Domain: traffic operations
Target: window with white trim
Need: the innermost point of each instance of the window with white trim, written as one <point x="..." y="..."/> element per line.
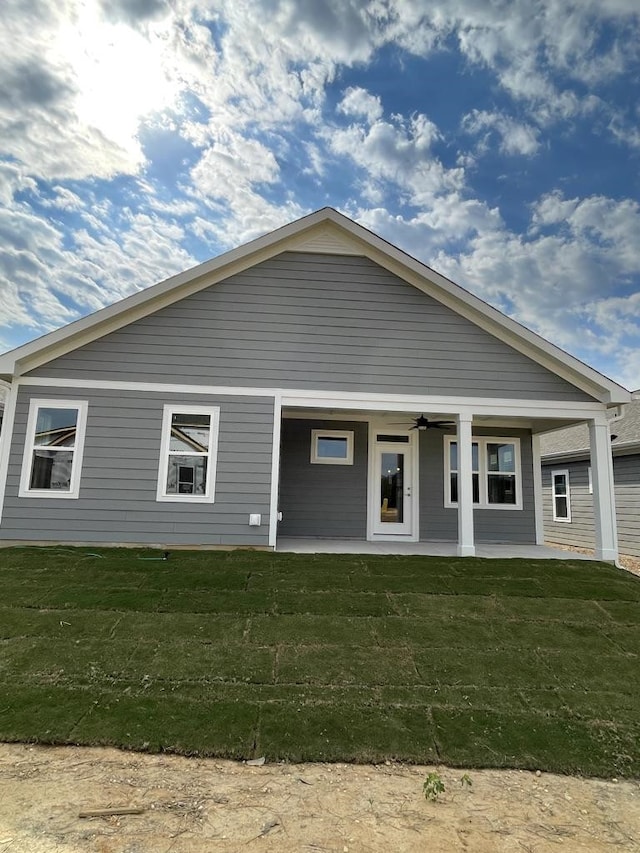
<point x="331" y="447"/>
<point x="496" y="472"/>
<point x="561" y="497"/>
<point x="188" y="454"/>
<point x="52" y="458"/>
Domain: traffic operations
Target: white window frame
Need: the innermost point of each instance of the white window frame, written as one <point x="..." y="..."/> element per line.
<point x="561" y="472"/>
<point x="483" y="473"/>
<point x="165" y="453"/>
<point x="331" y="433"/>
<point x="25" y="491"/>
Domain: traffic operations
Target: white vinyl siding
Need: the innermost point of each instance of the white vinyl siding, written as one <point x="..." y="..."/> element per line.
<point x="52" y="460"/>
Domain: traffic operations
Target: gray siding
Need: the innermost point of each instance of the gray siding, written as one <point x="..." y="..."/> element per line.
<point x="117" y="500"/>
<point x="580" y="531"/>
<point x="315" y="322"/>
<point x="438" y="522"/>
<point x="322" y="500"/>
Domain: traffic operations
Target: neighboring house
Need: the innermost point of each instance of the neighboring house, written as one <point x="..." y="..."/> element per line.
<point x="567" y="481"/>
<point x="315" y="382"/>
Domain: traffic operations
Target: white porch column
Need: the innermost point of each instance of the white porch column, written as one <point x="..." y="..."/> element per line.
<point x="466" y="543"/>
<point x="604" y="502"/>
<point x="537" y="488"/>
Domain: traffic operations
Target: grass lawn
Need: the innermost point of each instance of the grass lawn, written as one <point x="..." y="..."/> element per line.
<point x="469" y="662"/>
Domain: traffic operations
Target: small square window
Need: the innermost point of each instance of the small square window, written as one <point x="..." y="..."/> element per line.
<point x="331" y="447"/>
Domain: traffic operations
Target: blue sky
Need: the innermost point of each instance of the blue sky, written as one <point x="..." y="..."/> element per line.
<point x="498" y="142"/>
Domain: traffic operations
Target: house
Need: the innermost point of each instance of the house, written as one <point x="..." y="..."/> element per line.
<point x="567" y="482"/>
<point x="315" y="382"/>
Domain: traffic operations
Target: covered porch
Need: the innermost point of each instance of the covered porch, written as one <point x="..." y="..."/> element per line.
<point x="500" y="551"/>
<point x="426" y="475"/>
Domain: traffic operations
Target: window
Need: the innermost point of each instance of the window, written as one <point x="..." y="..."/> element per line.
<point x="331" y="447"/>
<point x="53" y="450"/>
<point x="560" y="496"/>
<point x="495" y="470"/>
<point x="188" y="453"/>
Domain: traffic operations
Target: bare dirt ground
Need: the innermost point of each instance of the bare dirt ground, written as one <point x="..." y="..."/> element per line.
<point x="193" y="805"/>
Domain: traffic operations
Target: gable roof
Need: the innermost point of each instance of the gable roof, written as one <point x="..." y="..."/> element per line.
<point x="325" y="231"/>
<point x="573" y="442"/>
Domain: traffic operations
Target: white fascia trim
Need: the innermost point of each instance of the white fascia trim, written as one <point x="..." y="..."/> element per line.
<point x="6" y="436"/>
<point x="453" y="405"/>
<point x="355" y="401"/>
<point x="275" y="472"/>
<point x="155" y="387"/>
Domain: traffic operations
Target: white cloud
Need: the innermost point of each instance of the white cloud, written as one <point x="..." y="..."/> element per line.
<point x="398" y="151"/>
<point x="233" y="164"/>
<point x="515" y="137"/>
<point x="358" y="102"/>
<point x="44" y="284"/>
<point x="564" y="284"/>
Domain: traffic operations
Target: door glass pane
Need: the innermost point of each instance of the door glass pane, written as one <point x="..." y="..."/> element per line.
<point x="392" y="488"/>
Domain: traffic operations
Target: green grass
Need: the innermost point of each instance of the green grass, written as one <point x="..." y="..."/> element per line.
<point x="494" y="663"/>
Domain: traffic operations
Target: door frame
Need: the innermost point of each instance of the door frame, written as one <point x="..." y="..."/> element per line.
<point x="413" y="469"/>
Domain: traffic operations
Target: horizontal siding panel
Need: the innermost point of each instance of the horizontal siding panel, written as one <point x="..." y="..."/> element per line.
<point x="118" y="486"/>
<point x="322" y="500"/>
<point x="581" y="532"/>
<point x="377" y="333"/>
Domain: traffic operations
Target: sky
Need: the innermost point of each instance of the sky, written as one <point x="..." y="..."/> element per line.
<point x="498" y="141"/>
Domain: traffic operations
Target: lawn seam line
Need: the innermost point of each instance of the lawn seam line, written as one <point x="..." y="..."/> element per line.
<point x="115" y="625"/>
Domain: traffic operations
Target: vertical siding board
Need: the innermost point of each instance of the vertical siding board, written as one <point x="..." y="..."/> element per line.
<point x="117" y="500"/>
<point x="320" y="322"/>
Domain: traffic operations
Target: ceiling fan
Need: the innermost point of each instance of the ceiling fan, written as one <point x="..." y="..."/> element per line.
<point x="423" y="423"/>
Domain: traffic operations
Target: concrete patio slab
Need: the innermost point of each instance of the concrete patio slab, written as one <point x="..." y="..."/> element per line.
<point x="430" y="549"/>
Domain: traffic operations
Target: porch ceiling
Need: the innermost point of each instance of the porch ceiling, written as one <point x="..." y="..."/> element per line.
<point x="400" y="417"/>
